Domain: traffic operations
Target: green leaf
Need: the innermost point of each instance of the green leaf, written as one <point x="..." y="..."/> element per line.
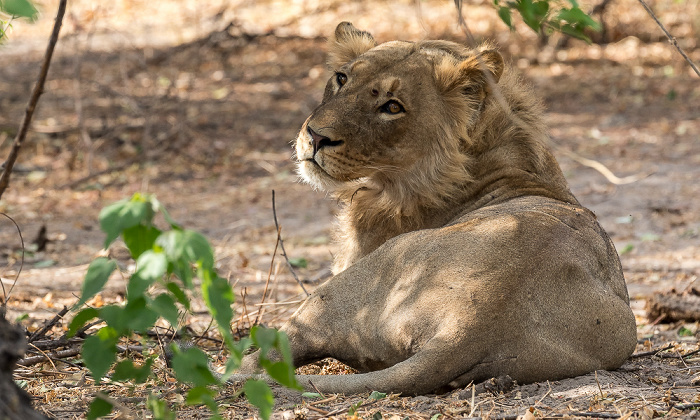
<point x="150" y="267"/>
<point x="685" y="332"/>
<point x="183" y="271"/>
<point x="627" y="249"/>
<point x="504" y="14"/>
<point x="164" y="306"/>
<point x="236" y="356"/>
<point x="139" y="239"/>
<point x="21" y="8"/>
<point x="281" y="372"/>
<point x="179" y="294"/>
<point x="298" y="262"/>
<point x="126" y="370"/>
<point x="264" y="338"/>
<point x="99" y="355"/>
<point x="202" y="395"/>
<point x="97" y="275"/>
<point x="578" y="17"/>
<point x="353" y="408"/>
<point x="138" y="316"/>
<point x="533" y="13"/>
<point x="282" y="345"/>
<point x="125" y="214"/>
<point x="113" y="316"/>
<point x="158" y="207"/>
<point x="99" y="408"/>
<point x="159" y="408"/>
<point x="187" y="246"/>
<point x="192" y="366"/>
<point x="311" y="395"/>
<point x="81" y="319"/>
<point x="259" y="394"/>
<point x="218" y="296"/>
<point x="376" y="395"/>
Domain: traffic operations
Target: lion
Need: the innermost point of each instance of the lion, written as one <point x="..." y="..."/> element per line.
<point x="463" y="255"/>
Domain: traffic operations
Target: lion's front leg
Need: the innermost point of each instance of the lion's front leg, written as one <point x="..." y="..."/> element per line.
<point x="309" y="331"/>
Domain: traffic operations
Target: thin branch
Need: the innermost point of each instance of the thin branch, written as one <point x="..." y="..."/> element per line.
<point x="284" y="253"/>
<point x="21" y="265"/>
<point x="671" y="38"/>
<point x="33" y="100"/>
<point x="651" y="352"/>
<point x="56" y="355"/>
<point x="269" y="274"/>
<point x="41" y="331"/>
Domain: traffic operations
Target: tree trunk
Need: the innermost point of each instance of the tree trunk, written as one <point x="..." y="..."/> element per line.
<point x="15" y="404"/>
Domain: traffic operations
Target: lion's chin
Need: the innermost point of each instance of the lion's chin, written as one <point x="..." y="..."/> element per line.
<point x="314" y="175"/>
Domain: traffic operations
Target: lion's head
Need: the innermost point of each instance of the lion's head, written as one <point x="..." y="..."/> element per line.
<point x="409" y="134"/>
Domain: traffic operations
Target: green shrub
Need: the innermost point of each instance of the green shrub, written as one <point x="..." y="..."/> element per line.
<point x="172" y="259"/>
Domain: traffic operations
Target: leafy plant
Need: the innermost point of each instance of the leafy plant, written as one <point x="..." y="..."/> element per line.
<point x="12" y="9"/>
<point x="167" y="264"/>
<point x="549" y="15"/>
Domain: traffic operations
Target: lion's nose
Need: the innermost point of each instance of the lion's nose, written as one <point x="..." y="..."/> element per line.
<point x="318" y="141"/>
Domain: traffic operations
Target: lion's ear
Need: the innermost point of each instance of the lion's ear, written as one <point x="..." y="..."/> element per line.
<point x="347" y="44"/>
<point x="472" y="74"/>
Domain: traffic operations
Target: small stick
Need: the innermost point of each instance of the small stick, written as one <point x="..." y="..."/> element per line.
<point x="691" y="353"/>
<point x="652" y="352"/>
<point x="598" y="383"/>
<point x="323" y="401"/>
<point x="41" y="331"/>
<point x="269" y="274"/>
<point x="687" y="406"/>
<point x="21" y="265"/>
<point x="472" y="406"/>
<point x="671" y="39"/>
<point x="284" y="253"/>
<point x="596" y="414"/>
<point x="33" y="100"/>
<point x="318" y="410"/>
<point x="61" y="354"/>
<point x="317" y="390"/>
<point x="43" y="353"/>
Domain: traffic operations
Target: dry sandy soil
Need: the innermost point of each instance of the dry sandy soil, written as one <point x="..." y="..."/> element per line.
<point x="168" y="98"/>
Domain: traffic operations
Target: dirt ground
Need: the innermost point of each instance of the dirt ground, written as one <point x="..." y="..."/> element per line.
<point x="197" y="104"/>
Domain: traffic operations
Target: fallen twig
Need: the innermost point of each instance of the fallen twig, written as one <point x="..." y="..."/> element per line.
<point x="60" y="354"/>
<point x="33" y="100"/>
<point x="284" y="253"/>
<point x="596" y="414"/>
<point x="42" y="331"/>
<point x="594" y="164"/>
<point x="652" y="352"/>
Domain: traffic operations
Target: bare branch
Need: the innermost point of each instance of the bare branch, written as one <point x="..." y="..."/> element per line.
<point x="33" y="100"/>
<point x="671" y="39"/>
<point x="284" y="253"/>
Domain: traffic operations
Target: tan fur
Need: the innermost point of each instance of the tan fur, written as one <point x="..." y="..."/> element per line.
<point x="463" y="254"/>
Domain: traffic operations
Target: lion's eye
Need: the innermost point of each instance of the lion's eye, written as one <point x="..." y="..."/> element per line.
<point x="392" y="107"/>
<point x="341" y="79"/>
